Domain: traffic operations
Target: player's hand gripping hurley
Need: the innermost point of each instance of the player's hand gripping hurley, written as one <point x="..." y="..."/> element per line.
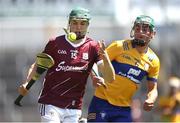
<point x="97" y="80"/>
<point x="44" y="61"/>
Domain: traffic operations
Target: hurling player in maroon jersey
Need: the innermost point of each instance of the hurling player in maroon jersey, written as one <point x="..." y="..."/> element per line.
<point x="64" y="84"/>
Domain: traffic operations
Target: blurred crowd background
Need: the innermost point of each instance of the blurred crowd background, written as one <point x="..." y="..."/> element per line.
<point x="26" y="26"/>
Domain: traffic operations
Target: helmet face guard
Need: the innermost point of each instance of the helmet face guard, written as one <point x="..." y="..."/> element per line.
<point x="142" y="20"/>
<point x="79" y="14"/>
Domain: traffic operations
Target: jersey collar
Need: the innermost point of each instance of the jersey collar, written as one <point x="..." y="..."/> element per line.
<point x="73" y="44"/>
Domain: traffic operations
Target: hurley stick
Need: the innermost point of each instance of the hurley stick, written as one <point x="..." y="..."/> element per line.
<point x="44" y="61"/>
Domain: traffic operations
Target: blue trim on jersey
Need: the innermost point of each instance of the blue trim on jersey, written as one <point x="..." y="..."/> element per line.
<point x="101" y="110"/>
<point x="132" y="72"/>
<point x="151" y="79"/>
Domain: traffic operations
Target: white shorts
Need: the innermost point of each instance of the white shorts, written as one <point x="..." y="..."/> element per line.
<point x="52" y="114"/>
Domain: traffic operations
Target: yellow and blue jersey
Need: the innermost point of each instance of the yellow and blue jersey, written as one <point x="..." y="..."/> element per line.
<point x="130" y="68"/>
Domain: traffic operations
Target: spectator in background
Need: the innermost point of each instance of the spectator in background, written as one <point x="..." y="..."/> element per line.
<point x="169" y="106"/>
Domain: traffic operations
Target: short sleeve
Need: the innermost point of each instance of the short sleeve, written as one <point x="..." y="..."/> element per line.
<point x="97" y="54"/>
<point x="49" y="47"/>
<point x="114" y="49"/>
<point x="154" y="71"/>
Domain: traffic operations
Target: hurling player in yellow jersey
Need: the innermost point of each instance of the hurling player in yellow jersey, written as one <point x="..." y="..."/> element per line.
<point x="133" y="61"/>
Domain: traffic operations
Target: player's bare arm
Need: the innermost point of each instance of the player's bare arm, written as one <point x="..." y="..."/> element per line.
<point x="43" y="61"/>
<point x="106" y="67"/>
<point x="97" y="80"/>
<point x="151" y="96"/>
<point x="32" y="70"/>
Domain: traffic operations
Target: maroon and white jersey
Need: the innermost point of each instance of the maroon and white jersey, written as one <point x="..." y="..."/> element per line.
<point x="64" y="84"/>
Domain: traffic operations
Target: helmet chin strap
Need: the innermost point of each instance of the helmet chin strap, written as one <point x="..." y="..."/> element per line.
<point x="79" y="35"/>
<point x="138" y="42"/>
